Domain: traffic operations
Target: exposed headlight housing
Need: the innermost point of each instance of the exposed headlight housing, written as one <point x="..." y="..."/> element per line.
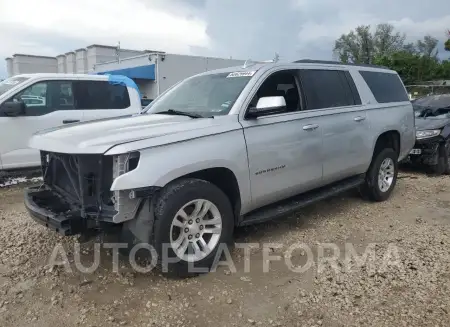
<point x="124" y="163"/>
<point x="427" y="134"/>
<point x="124" y="200"/>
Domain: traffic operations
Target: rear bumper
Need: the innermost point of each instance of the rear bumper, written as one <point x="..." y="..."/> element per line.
<point x="63" y="223"/>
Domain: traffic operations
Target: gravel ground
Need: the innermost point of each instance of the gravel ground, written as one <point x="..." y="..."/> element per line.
<point x="405" y="283"/>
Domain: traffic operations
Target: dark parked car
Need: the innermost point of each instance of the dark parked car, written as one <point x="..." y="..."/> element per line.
<point x="432" y="147"/>
<point x="145" y="102"/>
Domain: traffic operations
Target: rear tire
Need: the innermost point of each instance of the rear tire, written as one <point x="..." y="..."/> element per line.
<point x="381" y="176"/>
<point x="194" y="212"/>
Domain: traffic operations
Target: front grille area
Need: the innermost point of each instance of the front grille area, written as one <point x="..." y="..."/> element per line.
<point x="81" y="180"/>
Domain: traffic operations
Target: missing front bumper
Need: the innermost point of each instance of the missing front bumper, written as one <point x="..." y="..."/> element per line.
<point x="76" y="198"/>
<point x="52" y="211"/>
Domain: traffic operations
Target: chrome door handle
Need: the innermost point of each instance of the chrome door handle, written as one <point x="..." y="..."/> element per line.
<point x="310" y="127"/>
<point x="359" y="118"/>
<point x="70" y="121"/>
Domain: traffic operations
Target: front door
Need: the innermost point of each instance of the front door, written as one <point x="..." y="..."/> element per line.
<point x="284" y="149"/>
<point x="48" y="104"/>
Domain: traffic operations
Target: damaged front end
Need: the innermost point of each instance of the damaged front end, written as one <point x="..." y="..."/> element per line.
<point x="426" y="151"/>
<point x="75" y="197"/>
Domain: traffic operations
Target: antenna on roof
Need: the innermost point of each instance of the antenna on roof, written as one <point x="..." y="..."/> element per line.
<point x="248" y="63"/>
<point x="276" y="58"/>
<point x="118" y="52"/>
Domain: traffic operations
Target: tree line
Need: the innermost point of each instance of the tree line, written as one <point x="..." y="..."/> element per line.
<point x="416" y="62"/>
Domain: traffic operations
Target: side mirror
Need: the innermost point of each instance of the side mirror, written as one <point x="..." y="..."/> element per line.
<point x="13" y="108"/>
<point x="267" y="106"/>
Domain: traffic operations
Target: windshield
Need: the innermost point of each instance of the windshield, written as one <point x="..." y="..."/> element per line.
<point x="11" y="82"/>
<point x="205" y="95"/>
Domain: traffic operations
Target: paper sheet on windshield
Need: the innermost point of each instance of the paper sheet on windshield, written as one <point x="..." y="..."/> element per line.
<point x="241" y="74"/>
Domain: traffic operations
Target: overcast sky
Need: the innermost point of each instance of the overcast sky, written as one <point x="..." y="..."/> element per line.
<point x="239" y="28"/>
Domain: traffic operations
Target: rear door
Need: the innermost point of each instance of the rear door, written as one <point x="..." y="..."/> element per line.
<point x="49" y="103"/>
<point x="100" y="99"/>
<point x="346" y="135"/>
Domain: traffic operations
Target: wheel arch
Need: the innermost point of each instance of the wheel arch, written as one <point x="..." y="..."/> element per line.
<point x="390" y="138"/>
<point x="225" y="179"/>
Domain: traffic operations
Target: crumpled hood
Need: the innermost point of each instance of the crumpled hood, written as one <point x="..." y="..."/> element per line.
<point x="430" y="123"/>
<point x="99" y="136"/>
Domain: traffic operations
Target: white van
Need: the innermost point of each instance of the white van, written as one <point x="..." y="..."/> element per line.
<point x="34" y="102"/>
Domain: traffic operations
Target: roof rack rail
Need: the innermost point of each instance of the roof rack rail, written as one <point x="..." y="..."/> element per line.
<point x="330" y="62"/>
<point x="276" y="58"/>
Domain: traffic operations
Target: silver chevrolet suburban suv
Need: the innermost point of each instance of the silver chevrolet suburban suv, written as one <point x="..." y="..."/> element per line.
<point x="222" y="149"/>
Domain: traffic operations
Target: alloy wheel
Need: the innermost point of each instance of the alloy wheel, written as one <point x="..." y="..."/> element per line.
<point x="195" y="230"/>
<point x="386" y="174"/>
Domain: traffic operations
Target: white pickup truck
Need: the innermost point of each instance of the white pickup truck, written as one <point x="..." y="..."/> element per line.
<point x="33" y="102"/>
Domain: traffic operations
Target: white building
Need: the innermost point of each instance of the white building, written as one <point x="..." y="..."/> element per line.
<point x="153" y="71"/>
<point x="78" y="61"/>
<point x="24" y="63"/>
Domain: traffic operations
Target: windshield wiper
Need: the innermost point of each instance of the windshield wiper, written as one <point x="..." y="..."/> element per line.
<point x="436" y="111"/>
<point x="425" y="111"/>
<point x="179" y="113"/>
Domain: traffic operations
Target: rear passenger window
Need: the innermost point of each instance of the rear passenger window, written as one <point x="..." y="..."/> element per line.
<point x="100" y="95"/>
<point x="327" y="89"/>
<point x="386" y="87"/>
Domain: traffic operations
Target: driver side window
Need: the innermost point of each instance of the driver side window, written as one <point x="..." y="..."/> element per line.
<point x="45" y="97"/>
<point x="34" y="97"/>
<point x="283" y="83"/>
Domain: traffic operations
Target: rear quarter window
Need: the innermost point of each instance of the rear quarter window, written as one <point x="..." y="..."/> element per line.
<point x="353" y="88"/>
<point x="386" y="87"/>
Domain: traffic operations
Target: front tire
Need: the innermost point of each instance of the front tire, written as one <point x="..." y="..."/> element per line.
<point x="193" y="219"/>
<point x="381" y="176"/>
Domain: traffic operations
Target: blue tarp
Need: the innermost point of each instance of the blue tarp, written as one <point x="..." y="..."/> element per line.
<point x="140" y="72"/>
<point x="122" y="80"/>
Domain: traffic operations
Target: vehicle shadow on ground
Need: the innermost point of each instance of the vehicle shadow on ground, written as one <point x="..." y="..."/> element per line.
<point x="323" y="210"/>
<point x="416" y="169"/>
<point x="270" y="231"/>
<point x="303" y="218"/>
